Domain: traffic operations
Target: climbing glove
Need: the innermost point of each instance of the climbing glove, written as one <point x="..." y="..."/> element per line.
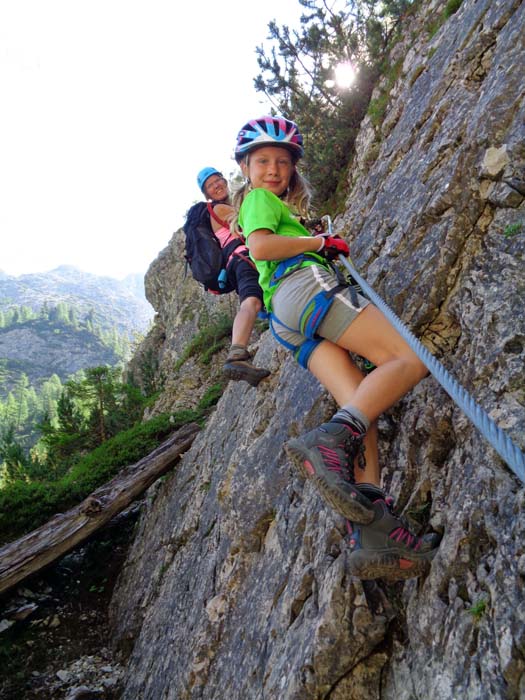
<point x="332" y="246"/>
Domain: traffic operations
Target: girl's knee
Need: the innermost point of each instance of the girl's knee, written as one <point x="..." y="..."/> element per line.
<point x="417" y="368"/>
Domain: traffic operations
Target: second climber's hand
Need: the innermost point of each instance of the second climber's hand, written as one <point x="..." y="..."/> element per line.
<point x="332" y="246"/>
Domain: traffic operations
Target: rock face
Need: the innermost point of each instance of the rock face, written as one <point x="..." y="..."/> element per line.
<point x="182" y="308"/>
<point x="237" y="585"/>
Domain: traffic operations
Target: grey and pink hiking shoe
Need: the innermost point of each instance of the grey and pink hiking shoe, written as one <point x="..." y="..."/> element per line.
<point x="387" y="548"/>
<point x="326" y="456"/>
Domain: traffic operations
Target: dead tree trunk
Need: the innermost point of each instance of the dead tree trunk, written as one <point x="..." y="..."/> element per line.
<point x="65" y="531"/>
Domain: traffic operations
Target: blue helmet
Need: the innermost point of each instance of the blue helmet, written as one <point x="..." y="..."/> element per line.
<point x="204" y="174"/>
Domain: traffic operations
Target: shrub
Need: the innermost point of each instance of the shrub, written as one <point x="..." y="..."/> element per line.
<point x="513" y="229"/>
<point x="208" y="341"/>
<point x="478" y="609"/>
<point x="452" y="7"/>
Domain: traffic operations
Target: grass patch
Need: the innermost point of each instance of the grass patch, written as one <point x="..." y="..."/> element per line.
<point x="435" y="25"/>
<point x="208" y="341"/>
<point x="513" y="229"/>
<point x="377" y="107"/>
<point x="478" y="609"/>
<point x="211" y="396"/>
<point x="451" y="8"/>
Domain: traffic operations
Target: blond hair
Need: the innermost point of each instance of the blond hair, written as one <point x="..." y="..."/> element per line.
<point x="297" y="196"/>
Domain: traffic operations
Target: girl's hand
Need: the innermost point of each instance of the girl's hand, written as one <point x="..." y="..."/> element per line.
<point x="332" y="246"/>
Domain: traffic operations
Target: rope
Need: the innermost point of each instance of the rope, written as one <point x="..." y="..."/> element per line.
<point x="500" y="441"/>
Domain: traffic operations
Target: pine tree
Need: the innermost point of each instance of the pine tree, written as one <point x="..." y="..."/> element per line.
<point x="34" y="405"/>
<point x="298" y="77"/>
<point x="49" y="394"/>
<point x="12" y="454"/>
<point x="20" y="393"/>
<point x="11" y="410"/>
<point x="64" y="437"/>
<point x="25" y="314"/>
<point x="73" y="317"/>
<point x="97" y="393"/>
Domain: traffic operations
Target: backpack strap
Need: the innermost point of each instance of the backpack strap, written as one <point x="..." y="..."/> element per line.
<point x="214" y="216"/>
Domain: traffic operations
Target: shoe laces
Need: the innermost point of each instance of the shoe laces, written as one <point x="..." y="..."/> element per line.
<point x="402" y="534"/>
<point x="351" y="446"/>
<point x="333" y="461"/>
<point x="354" y="449"/>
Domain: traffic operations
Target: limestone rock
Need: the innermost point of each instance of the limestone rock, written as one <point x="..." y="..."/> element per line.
<point x="495" y="160"/>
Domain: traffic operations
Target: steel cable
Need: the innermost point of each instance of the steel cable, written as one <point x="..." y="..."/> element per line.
<point x="500" y="441"/>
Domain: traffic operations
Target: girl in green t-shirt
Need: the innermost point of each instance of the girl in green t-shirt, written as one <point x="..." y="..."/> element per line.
<point x="321" y="321"/>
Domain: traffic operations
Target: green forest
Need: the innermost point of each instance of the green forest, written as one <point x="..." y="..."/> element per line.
<point x="86" y="430"/>
<point x="64" y="314"/>
<point x="28" y="404"/>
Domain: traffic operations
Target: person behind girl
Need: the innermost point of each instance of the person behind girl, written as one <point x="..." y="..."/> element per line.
<point x="242" y="275"/>
<point x="321" y="320"/>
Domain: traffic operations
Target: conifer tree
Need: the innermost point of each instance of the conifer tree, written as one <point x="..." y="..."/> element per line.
<point x="44" y="310"/>
<point x="25" y="314"/>
<point x="12" y="454"/>
<point x="298" y="77"/>
<point x="11" y="410"/>
<point x="50" y="393"/>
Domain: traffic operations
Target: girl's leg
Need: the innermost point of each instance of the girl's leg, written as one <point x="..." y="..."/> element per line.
<point x="370" y="335"/>
<point x="336" y="371"/>
<point x="381" y="545"/>
<point x="397" y="370"/>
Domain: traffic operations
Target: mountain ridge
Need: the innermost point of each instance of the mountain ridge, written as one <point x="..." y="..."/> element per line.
<point x="114" y="303"/>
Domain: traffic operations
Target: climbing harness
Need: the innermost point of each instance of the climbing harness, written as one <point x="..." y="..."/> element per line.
<point x="500" y="441"/>
<point x="314" y="312"/>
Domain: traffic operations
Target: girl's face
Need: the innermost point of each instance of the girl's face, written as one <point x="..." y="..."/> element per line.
<point x="269" y="167"/>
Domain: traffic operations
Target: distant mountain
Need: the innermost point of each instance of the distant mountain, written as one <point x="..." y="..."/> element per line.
<point x="40" y="348"/>
<point x="111" y="303"/>
<point x="77" y="320"/>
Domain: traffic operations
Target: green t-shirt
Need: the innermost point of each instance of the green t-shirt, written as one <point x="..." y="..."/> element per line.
<point x="262" y="209"/>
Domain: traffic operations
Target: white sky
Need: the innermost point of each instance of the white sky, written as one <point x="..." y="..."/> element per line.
<point x="109" y="108"/>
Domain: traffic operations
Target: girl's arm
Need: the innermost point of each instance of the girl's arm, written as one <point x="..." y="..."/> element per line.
<point x="266" y="245"/>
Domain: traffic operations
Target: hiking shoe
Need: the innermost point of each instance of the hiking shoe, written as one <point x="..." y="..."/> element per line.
<point x="244" y="370"/>
<point x="387" y="548"/>
<point x="326" y="456"/>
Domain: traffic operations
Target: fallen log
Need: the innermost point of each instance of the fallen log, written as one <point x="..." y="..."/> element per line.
<point x="37" y="549"/>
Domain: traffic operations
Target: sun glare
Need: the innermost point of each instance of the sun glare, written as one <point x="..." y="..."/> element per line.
<point x="345" y="75"/>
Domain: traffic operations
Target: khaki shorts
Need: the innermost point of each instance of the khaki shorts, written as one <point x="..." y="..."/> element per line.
<point x="294" y="294"/>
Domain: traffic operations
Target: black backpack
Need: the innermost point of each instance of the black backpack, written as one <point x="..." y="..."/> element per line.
<point x="204" y="255"/>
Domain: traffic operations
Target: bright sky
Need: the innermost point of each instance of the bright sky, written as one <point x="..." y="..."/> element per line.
<point x="109" y="108"/>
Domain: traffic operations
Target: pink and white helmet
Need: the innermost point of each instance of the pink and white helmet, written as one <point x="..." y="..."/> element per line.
<point x="269" y="131"/>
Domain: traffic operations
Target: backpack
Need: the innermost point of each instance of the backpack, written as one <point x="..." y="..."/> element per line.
<point x="204" y="255"/>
